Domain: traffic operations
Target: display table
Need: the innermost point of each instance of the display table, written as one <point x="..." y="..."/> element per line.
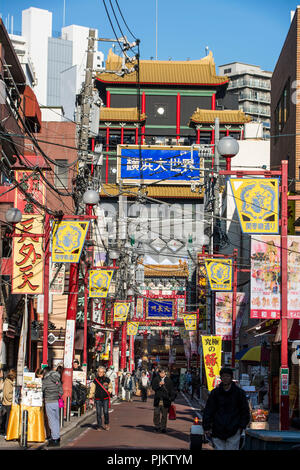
<point x="271" y="440"/>
<point x="36" y="423"/>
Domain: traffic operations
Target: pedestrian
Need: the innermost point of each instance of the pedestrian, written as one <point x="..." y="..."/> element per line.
<point x="52" y="391"/>
<point x="164" y="395"/>
<point x="100" y="393"/>
<point x="112" y="375"/>
<point x="226" y="413"/>
<point x="144" y="384"/>
<point x="195" y="384"/>
<point x="122" y="382"/>
<point x="7" y="399"/>
<point x="128" y="386"/>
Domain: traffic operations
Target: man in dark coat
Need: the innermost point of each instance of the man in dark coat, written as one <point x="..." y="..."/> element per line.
<point x="164" y="395"/>
<point x="100" y="391"/>
<point x="226" y="413"/>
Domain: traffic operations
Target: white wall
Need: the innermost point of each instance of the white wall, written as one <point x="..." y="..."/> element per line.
<point x="37" y="28"/>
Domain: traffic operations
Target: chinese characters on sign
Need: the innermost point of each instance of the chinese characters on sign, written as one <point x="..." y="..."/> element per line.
<point x="212" y="351"/>
<point x="223" y="313"/>
<point x="257" y="203"/>
<point x="121" y="310"/>
<point x="159" y="309"/>
<point x="132" y="328"/>
<point x="28" y="255"/>
<point x="156" y="163"/>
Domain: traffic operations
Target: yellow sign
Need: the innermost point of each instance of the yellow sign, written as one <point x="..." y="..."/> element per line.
<point x="68" y="238"/>
<point x="132" y="328"/>
<point x="121" y="310"/>
<point x="99" y="282"/>
<point x="219" y="273"/>
<point x="190" y="322"/>
<point x="212" y="355"/>
<point x="257" y="204"/>
<point x="28" y="256"/>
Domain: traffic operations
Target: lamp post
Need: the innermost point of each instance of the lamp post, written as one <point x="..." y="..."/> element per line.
<point x="228" y="147"/>
<point x="130" y="294"/>
<point x="90" y="199"/>
<point x="67" y="377"/>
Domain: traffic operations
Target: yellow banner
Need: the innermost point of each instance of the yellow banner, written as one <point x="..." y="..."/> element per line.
<point x="219" y="273"/>
<point x="28" y="256"/>
<point x="212" y="356"/>
<point x="257" y="204"/>
<point x="190" y="322"/>
<point x="121" y="310"/>
<point x="99" y="282"/>
<point x="132" y="328"/>
<point x="68" y="238"/>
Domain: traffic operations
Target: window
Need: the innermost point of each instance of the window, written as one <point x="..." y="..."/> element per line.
<point x="61" y="173"/>
<point x="227" y="71"/>
<point x="282" y="110"/>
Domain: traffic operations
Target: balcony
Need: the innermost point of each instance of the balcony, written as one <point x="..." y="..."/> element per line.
<point x="257" y="98"/>
<point x="261" y="85"/>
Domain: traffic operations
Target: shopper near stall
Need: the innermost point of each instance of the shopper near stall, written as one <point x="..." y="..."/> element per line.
<point x="226" y="413"/>
<point x="7" y="397"/>
<point x="76" y="365"/>
<point x="100" y="394"/>
<point x="164" y="395"/>
<point x="52" y="391"/>
<point x="128" y="386"/>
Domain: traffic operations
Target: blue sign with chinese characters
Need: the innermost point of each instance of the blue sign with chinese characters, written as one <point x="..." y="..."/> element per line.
<point x="159" y="309"/>
<point x="175" y="164"/>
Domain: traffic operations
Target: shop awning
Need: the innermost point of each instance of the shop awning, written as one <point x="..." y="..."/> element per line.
<point x="254" y="354"/>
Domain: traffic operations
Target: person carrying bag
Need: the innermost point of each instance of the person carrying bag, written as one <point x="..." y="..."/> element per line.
<point x="100" y="392"/>
<point x="164" y="395"/>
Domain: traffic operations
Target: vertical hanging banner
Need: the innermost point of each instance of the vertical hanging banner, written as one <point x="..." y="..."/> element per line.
<point x="132" y="328"/>
<point x="121" y="310"/>
<point x="99" y="282"/>
<point x="257" y="204"/>
<point x="219" y="273"/>
<point x="212" y="355"/>
<point x="293" y="277"/>
<point x="57" y="278"/>
<point x="223" y="313"/>
<point x="190" y="322"/>
<point x="68" y="238"/>
<point x="28" y="253"/>
<point x="265" y="277"/>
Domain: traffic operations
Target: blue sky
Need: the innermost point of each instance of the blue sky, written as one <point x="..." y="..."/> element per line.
<point x="234" y="30"/>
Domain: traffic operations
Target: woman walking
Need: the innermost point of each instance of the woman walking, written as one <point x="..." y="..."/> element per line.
<point x="52" y="391"/>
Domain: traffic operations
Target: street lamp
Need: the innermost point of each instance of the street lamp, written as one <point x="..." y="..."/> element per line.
<point x="114" y="255"/>
<point x="13" y="216"/>
<point x="228" y="148"/>
<point x="91" y="197"/>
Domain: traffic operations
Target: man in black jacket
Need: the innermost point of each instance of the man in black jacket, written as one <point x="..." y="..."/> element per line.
<point x="164" y="395"/>
<point x="226" y="413"/>
<point x="100" y="392"/>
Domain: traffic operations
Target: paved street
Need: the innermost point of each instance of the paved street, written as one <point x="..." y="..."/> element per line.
<point x="131" y="427"/>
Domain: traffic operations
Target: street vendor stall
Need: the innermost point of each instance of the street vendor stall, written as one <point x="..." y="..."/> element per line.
<point x="31" y="400"/>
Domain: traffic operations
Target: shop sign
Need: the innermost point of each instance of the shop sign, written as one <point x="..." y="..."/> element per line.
<point x="190" y="322"/>
<point x="68" y="238"/>
<point x="99" y="282"/>
<point x="157" y="309"/>
<point x="219" y="273"/>
<point x="212" y="355"/>
<point x="257" y="204"/>
<point x="132" y="328"/>
<point x="284" y="381"/>
<point x="121" y="310"/>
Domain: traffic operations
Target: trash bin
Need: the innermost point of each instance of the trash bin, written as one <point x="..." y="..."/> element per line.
<point x="271" y="440"/>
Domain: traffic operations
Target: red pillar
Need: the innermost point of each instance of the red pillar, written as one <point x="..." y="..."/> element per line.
<point x="284" y="399"/>
<point x="213" y="101"/>
<point x="143" y="112"/>
<point x="107" y="138"/>
<point x="178" y="106"/>
<point x="70" y="332"/>
<point x="234" y="291"/>
<point x="123" y="345"/>
<point x="122" y="135"/>
<point x="136" y="135"/>
<point x="46" y="289"/>
<point x="198" y="136"/>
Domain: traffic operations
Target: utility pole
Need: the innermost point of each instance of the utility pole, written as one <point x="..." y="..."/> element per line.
<point x="83" y="140"/>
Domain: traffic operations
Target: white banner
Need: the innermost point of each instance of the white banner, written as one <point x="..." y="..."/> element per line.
<point x="69" y="343"/>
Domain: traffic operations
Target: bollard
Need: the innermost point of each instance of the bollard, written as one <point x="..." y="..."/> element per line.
<point x="68" y="409"/>
<point x="24" y="429"/>
<point x="61" y="417"/>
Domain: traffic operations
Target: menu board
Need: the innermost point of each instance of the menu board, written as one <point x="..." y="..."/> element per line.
<point x="32" y="394"/>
